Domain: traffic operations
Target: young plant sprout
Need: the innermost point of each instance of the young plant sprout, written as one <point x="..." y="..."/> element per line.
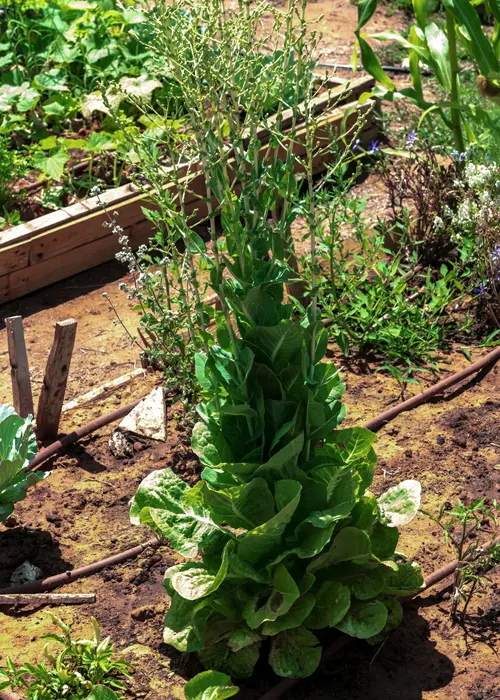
<point x="472" y="530"/>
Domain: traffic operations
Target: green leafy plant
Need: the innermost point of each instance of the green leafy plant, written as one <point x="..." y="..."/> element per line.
<point x="84" y="668"/>
<point x="281" y="534"/>
<point x="436" y="47"/>
<point x="472" y="531"/>
<point x="17" y="449"/>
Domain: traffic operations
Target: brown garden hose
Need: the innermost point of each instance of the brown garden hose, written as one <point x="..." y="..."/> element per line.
<point x="81" y="432"/>
<point x="46" y="584"/>
<point x="376" y="423"/>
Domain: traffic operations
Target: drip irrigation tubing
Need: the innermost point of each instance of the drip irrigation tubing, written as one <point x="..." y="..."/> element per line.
<point x="80" y="433"/>
<point x="379" y="421"/>
<point x="388" y="69"/>
<point x="47" y="584"/>
<point x="373" y="424"/>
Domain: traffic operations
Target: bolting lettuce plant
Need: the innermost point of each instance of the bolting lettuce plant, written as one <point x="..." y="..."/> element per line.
<point x="281" y="536"/>
<point x="17" y="449"/>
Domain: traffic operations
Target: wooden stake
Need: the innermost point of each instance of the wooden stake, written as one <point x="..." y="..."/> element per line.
<point x="19" y="368"/>
<point x="56" y="376"/>
<point x="47" y="598"/>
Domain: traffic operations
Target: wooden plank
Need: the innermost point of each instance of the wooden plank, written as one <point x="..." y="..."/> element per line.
<point x="47" y="598"/>
<point x="82" y="242"/>
<point x="76" y="260"/>
<point x="103" y="390"/>
<point x="19" y="367"/>
<point x="54" y="383"/>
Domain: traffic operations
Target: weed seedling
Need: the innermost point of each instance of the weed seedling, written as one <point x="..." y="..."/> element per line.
<point x="84" y="668"/>
<point x="463" y="526"/>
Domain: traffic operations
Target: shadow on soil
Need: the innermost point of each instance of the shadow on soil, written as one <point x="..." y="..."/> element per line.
<point x="63" y="291"/>
<point x="22" y="544"/>
<point x="404" y="668"/>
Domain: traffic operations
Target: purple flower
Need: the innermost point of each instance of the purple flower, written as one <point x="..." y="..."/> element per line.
<point x="412" y="138"/>
<point x="356" y="144"/>
<point x="479" y="290"/>
<point x="374" y="147"/>
<point x="495" y="254"/>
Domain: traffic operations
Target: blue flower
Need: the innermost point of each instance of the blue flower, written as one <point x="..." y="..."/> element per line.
<point x="412" y="138"/>
<point x="455" y="155"/>
<point x="374" y="147"/>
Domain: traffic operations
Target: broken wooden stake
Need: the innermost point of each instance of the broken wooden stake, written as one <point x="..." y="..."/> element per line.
<point x="19" y="368"/>
<point x="47" y="598"/>
<point x="54" y="383"/>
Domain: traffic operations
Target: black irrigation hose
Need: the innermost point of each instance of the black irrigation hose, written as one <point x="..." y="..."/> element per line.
<point x="388" y="69"/>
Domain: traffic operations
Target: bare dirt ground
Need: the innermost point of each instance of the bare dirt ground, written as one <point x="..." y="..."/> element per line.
<point x="80" y="512"/>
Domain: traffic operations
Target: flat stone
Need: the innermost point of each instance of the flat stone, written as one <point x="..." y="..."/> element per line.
<point x="149" y="418"/>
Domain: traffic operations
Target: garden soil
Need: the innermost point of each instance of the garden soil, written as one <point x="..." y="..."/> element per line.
<point x="79" y="514"/>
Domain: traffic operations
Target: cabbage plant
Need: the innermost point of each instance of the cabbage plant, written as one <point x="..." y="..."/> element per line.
<point x="17" y="449"/>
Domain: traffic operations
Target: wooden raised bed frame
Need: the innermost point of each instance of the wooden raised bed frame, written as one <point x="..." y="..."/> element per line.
<point x="71" y="240"/>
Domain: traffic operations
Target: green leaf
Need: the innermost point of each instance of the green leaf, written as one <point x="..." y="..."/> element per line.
<point x="283" y="461"/>
<point x="260" y="308"/>
<point x="185" y="623"/>
<point x="60" y="105"/>
<point x="53" y="80"/>
<point x="350" y="544"/>
<point x="482" y="50"/>
<point x="101" y="141"/>
<point x="333" y="600"/>
<point x="400" y="504"/>
<point x="384" y="540"/>
<point x="269" y="604"/>
<point x="293" y="618"/>
<point x="353" y="443"/>
<point x="161" y="489"/>
<point x="394" y="619"/>
<point x="295" y="653"/>
<point x="101" y="692"/>
<point x="276" y="346"/>
<point x="364" y="619"/>
<point x="210" y="685"/>
<point x="265" y="540"/>
<point x="437" y="41"/>
<point x="51" y="164"/>
<point x="245" y="506"/>
<point x="210" y="446"/>
<point x="218" y="655"/>
<point x="366" y="10"/>
<point x="406" y="580"/>
<point x="28" y="100"/>
<point x="372" y="65"/>
<point x="193" y="580"/>
<point x="171" y="509"/>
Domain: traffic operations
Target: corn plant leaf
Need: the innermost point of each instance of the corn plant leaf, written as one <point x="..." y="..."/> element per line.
<point x="372" y="65"/>
<point x="295" y="653"/>
<point x="210" y="685"/>
<point x="439" y="51"/>
<point x="366" y="10"/>
<point x="482" y="50"/>
<point x="420" y="10"/>
<point x="364" y="620"/>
